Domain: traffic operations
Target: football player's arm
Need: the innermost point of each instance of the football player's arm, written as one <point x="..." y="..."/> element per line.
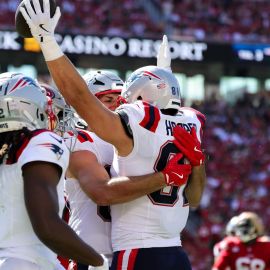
<point x="96" y="183"/>
<point x="105" y="123"/>
<point x="190" y="146"/>
<point x="69" y="82"/>
<point x="195" y="185"/>
<point x="222" y="261"/>
<point x="216" y="250"/>
<point x="41" y="199"/>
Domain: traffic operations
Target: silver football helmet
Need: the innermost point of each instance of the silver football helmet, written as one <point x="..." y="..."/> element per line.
<point x="64" y="116"/>
<point x="103" y="82"/>
<point x="231" y="225"/>
<point x="23" y="103"/>
<point x="249" y="226"/>
<point x="155" y="85"/>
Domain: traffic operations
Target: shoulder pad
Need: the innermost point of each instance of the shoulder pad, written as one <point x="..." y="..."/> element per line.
<point x="199" y="115"/>
<point x="22" y="145"/>
<point x="264" y="238"/>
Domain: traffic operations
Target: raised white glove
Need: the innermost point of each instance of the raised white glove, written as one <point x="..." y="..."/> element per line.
<point x="105" y="265"/>
<point x="42" y="27"/>
<point x="164" y="54"/>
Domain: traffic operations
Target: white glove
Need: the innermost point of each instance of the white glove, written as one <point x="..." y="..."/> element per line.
<point x="164" y="54"/>
<point x="105" y="265"/>
<point x="42" y="27"/>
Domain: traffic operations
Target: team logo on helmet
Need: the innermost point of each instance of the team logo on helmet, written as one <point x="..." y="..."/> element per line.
<point x="154" y="85"/>
<point x="22" y="101"/>
<point x="24" y="81"/>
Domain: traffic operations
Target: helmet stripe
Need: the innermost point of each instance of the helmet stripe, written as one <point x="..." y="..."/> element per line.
<point x="109" y="91"/>
<point x="150" y="74"/>
<point x="22" y="82"/>
<point x="16" y="85"/>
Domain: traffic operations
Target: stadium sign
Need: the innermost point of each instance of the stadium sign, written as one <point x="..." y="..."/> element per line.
<point x="9" y="41"/>
<point x="252" y="52"/>
<point x="142" y="48"/>
<point x="133" y="47"/>
<point x="107" y="46"/>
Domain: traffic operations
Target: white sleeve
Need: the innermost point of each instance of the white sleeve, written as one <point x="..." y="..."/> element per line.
<point x="105" y="151"/>
<point x="131" y="115"/>
<point x="135" y="110"/>
<point x="92" y="143"/>
<point x="46" y="146"/>
<point x="76" y="142"/>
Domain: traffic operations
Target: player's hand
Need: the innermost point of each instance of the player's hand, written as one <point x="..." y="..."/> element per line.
<point x="176" y="174"/>
<point x="189" y="145"/>
<point x="164" y="54"/>
<point x="41" y="25"/>
<point x="105" y="265"/>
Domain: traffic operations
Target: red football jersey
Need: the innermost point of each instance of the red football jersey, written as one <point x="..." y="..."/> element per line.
<point x="218" y="247"/>
<point x="236" y="255"/>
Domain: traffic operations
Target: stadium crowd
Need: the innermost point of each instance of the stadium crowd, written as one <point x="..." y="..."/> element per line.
<point x="237" y="141"/>
<point x="226" y="20"/>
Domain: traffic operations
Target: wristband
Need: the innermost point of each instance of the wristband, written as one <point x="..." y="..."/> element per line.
<point x="51" y="50"/>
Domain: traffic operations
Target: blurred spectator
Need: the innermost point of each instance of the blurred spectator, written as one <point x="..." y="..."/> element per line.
<point x="224" y="20"/>
<point x="238" y="144"/>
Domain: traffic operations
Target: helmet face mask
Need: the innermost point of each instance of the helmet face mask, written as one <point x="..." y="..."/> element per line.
<point x="246" y="231"/>
<point x="155" y="85"/>
<point x="249" y="227"/>
<point x="61" y="115"/>
<point x="103" y="82"/>
<point x="22" y="103"/>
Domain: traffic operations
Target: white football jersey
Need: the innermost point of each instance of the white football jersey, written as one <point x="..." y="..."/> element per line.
<point x="157" y="219"/>
<point x="91" y="222"/>
<point x="17" y="238"/>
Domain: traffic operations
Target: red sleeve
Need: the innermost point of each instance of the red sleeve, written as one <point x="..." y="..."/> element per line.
<point x="222" y="261"/>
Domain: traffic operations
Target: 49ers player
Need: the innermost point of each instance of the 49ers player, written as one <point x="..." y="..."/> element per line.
<point x="248" y="249"/>
<point x="229" y="231"/>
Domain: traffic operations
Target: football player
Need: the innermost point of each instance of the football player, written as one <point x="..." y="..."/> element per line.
<point x="229" y="231"/>
<point x="145" y="231"/>
<point x="63" y="120"/>
<point x="33" y="163"/>
<point x="91" y="222"/>
<point x="248" y="249"/>
<point x="90" y="156"/>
